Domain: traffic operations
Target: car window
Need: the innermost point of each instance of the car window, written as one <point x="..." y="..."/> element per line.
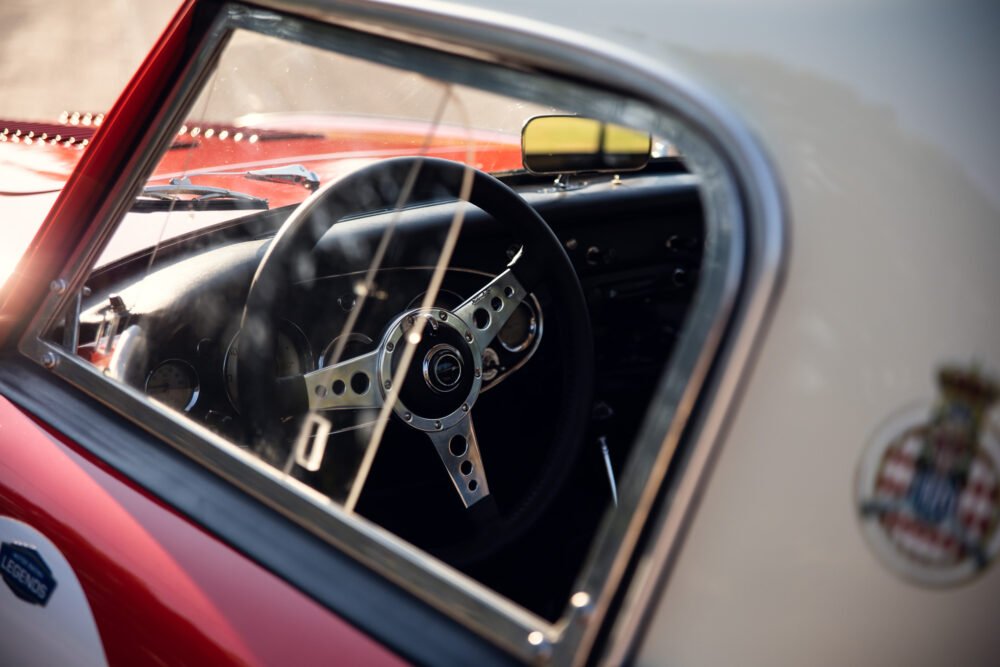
<point x="341" y="284"/>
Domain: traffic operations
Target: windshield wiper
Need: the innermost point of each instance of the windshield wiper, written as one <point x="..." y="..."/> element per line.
<point x="293" y="174"/>
<point x="157" y="198"/>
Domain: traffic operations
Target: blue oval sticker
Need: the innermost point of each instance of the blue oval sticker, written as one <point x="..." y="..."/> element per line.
<point x="26" y="573"/>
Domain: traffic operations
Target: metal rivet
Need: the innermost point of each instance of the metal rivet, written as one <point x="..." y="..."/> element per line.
<point x="479" y="372"/>
<point x="58" y="286"/>
<point x="680" y="277"/>
<point x="468" y="336"/>
<point x="465" y="407"/>
<point x="49" y="360"/>
<point x="407" y="416"/>
<point x="349" y="301"/>
<point x="387" y="384"/>
<point x="389" y="347"/>
<point x="437" y="425"/>
<point x="443" y="315"/>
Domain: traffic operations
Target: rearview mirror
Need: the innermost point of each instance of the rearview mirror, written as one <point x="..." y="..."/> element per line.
<point x="565" y="144"/>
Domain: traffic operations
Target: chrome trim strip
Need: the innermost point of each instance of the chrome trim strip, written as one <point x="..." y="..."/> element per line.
<point x="740" y="173"/>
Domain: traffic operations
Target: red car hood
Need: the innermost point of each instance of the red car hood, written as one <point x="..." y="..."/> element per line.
<point x="39" y="157"/>
<point x="36" y="159"/>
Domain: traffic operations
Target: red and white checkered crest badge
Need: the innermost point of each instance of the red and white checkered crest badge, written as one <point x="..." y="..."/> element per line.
<point x="929" y="483"/>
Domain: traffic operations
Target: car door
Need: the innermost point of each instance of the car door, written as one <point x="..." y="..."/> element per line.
<point x="184" y="378"/>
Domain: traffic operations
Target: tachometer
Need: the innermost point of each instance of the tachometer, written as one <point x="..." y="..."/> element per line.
<point x="293" y="356"/>
<point x="355" y="345"/>
<point x="173" y="383"/>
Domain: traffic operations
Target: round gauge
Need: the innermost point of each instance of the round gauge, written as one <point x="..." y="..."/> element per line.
<point x="292" y="356"/>
<point x="520" y="330"/>
<point x="173" y="383"/>
<point x="355" y="345"/>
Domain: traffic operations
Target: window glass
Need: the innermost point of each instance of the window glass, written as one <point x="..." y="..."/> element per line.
<point x="342" y="268"/>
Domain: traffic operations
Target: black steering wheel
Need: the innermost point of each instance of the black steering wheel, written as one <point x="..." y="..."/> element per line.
<point x="426" y="371"/>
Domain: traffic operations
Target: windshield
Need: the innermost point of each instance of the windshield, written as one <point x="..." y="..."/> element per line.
<point x="278" y="119"/>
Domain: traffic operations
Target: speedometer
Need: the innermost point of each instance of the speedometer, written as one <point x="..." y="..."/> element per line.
<point x="173" y="383"/>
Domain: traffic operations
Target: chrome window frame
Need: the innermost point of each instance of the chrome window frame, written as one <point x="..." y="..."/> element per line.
<point x="744" y="260"/>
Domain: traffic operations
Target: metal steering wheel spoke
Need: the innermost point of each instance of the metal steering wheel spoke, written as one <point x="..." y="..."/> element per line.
<point x="349" y="384"/>
<point x="459" y="451"/>
<point x="487" y="311"/>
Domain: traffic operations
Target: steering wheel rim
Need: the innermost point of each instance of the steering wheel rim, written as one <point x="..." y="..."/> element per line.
<point x="379" y="186"/>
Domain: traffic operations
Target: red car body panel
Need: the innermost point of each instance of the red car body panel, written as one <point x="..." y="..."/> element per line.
<point x="40" y="157"/>
<point x="334" y="148"/>
<point x="162" y="590"/>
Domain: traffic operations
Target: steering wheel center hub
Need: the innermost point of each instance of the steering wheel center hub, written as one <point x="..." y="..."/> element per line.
<point x="430" y="368"/>
<point x="442" y="368"/>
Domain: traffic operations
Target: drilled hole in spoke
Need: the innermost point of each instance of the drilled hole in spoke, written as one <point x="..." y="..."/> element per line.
<point x="481" y="318"/>
<point x="360" y="383"/>
<point x="458" y="446"/>
<point x="473" y="485"/>
<point x="496" y="303"/>
<point x="338" y="387"/>
<point x="466" y="467"/>
<point x="508" y="292"/>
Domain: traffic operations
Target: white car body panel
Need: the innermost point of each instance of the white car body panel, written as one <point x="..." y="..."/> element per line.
<point x="880" y="121"/>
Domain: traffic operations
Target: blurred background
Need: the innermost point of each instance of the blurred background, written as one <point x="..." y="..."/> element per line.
<point x="66" y="55"/>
